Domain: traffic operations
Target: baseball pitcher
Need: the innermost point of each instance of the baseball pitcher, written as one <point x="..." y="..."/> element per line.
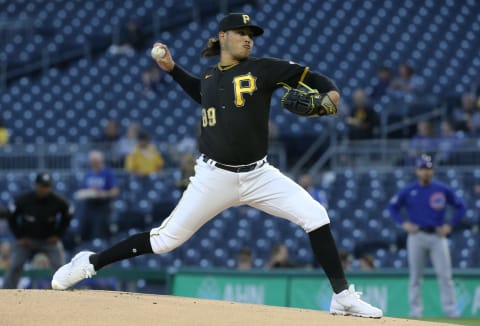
<point x="234" y="96"/>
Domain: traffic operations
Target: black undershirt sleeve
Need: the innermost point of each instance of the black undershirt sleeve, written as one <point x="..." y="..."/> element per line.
<point x="189" y="83"/>
<point x="320" y="82"/>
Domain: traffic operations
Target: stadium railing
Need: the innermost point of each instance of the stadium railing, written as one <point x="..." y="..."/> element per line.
<point x="385" y="154"/>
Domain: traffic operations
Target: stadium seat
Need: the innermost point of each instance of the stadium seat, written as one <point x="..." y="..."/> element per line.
<point x="66" y="105"/>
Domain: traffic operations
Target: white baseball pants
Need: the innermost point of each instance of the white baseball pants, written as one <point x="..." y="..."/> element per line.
<point x="213" y="190"/>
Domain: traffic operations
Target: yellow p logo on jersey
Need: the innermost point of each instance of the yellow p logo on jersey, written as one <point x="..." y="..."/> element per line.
<point x="243" y="84"/>
<point x="246" y="19"/>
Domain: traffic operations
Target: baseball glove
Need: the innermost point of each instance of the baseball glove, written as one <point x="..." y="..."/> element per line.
<point x="309" y="103"/>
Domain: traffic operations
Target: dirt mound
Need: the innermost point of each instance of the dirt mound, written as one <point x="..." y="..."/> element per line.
<point x="94" y="308"/>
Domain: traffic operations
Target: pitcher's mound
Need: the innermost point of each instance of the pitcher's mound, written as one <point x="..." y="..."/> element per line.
<point x="94" y="308"/>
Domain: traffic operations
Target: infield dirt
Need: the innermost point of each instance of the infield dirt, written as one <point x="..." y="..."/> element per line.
<point x="95" y="308"/>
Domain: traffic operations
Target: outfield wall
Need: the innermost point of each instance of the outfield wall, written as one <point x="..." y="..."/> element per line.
<point x="387" y="290"/>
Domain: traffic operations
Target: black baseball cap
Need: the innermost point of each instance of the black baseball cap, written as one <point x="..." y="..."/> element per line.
<point x="424" y="162"/>
<point x="143" y="135"/>
<point x="43" y="179"/>
<point x="239" y="20"/>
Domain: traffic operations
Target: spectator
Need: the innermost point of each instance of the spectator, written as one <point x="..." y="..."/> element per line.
<point x="363" y="119"/>
<point x="244" y="259"/>
<point x="38" y="219"/>
<point x="107" y="141"/>
<point x="127" y="143"/>
<point x="5" y="254"/>
<point x="448" y="140"/>
<point x="306" y="182"/>
<point x="407" y="85"/>
<point x="382" y="83"/>
<point x="4" y="135"/>
<point x="447" y="130"/>
<point x="467" y="117"/>
<point x="366" y="263"/>
<point x="346" y="259"/>
<point x="188" y="144"/>
<point x="130" y="38"/>
<point x="426" y="202"/>
<point x="425" y="136"/>
<point x="476" y="189"/>
<point x="187" y="170"/>
<point x="99" y="187"/>
<point x="424" y="141"/>
<point x="40" y="261"/>
<point x="461" y="114"/>
<point x="152" y="78"/>
<point x="279" y="258"/>
<point x="144" y="160"/>
<point x="472" y="127"/>
<point x="110" y="133"/>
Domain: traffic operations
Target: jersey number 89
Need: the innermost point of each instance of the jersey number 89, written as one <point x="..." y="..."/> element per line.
<point x="209" y="118"/>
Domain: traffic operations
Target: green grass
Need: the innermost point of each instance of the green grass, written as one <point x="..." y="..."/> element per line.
<point x="456" y="321"/>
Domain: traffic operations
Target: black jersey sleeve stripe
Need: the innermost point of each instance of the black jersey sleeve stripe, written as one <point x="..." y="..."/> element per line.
<point x="189" y="83"/>
<point x="302" y="77"/>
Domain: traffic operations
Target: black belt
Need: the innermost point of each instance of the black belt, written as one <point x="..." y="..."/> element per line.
<point x="428" y="229"/>
<point x="234" y="168"/>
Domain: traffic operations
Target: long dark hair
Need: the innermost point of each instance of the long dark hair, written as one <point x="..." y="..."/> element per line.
<point x="212" y="49"/>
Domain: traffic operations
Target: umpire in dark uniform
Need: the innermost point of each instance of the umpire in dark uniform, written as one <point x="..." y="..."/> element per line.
<point x="38" y="219"/>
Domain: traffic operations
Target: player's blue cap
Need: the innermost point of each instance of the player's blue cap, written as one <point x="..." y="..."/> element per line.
<point x="424" y="162"/>
<point x="239" y="20"/>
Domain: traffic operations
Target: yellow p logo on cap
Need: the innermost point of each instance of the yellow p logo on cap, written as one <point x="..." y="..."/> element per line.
<point x="246" y="19"/>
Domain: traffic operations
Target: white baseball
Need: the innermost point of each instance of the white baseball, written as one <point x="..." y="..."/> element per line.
<point x="158" y="52"/>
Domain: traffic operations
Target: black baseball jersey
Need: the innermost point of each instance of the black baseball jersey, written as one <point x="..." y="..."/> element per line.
<point x="236" y="104"/>
<point x="39" y="218"/>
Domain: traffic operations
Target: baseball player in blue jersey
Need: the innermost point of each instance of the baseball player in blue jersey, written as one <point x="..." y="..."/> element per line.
<point x="426" y="201"/>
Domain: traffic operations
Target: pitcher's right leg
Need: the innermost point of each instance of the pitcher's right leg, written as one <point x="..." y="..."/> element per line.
<point x="271" y="191"/>
<point x="211" y="191"/>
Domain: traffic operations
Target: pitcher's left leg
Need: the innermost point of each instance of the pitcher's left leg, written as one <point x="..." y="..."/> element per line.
<point x="441" y="261"/>
<point x="269" y="190"/>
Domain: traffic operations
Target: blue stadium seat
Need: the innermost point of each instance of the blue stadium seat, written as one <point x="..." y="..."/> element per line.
<point x="66" y="105"/>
